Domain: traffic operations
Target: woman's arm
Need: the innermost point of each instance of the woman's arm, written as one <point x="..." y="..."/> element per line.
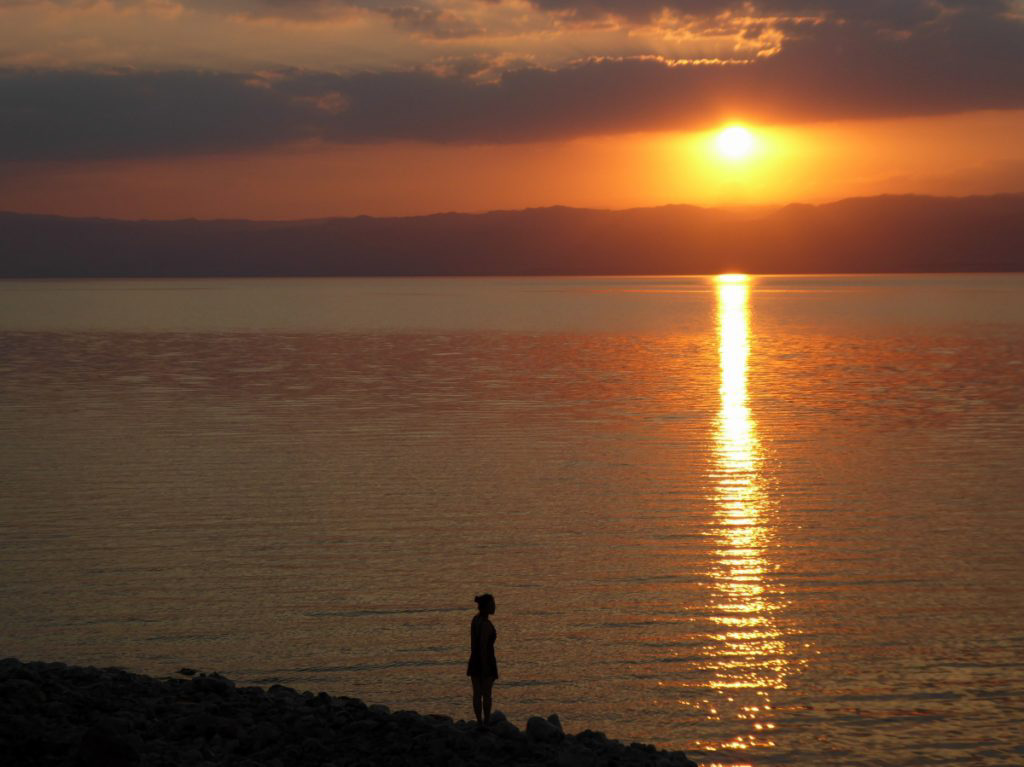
<point x="486" y="631"/>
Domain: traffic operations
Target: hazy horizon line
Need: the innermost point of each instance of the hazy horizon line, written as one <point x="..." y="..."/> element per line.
<point x="765" y="208"/>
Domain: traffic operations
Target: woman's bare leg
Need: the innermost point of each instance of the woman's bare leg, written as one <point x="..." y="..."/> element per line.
<point x="477" y="700"/>
<point x="485" y="689"/>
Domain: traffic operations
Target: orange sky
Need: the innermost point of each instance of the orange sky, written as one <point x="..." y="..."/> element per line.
<point x="162" y="109"/>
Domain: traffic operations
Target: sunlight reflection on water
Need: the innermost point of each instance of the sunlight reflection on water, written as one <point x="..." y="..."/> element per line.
<point x="748" y="651"/>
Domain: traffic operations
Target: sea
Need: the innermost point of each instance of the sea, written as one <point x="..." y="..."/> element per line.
<point x="768" y="520"/>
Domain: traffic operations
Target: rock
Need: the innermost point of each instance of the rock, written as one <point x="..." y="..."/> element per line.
<point x="410" y="720"/>
<point x="264" y="733"/>
<point x="21" y="693"/>
<point x="229" y="729"/>
<point x="576" y="756"/>
<point x="187" y="671"/>
<point x="214" y="683"/>
<point x="201" y="723"/>
<point x="28" y="671"/>
<point x="449" y="733"/>
<point x="498" y="716"/>
<point x="101" y="746"/>
<point x="596" y="741"/>
<point x="504" y="729"/>
<point x="313" y="747"/>
<point x="360" y="726"/>
<point x="487" y="741"/>
<point x="436" y="753"/>
<point x="542" y="731"/>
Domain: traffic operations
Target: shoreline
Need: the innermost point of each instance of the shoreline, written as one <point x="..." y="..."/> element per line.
<point x="56" y="714"/>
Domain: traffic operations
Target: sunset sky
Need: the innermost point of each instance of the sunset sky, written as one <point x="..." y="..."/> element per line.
<point x="308" y="108"/>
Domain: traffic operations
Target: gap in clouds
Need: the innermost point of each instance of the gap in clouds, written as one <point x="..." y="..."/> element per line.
<point x="973" y="153"/>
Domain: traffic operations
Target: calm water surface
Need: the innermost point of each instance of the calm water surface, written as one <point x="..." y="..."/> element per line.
<point x="776" y="521"/>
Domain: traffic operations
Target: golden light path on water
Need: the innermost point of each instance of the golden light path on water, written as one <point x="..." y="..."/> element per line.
<point x="748" y="654"/>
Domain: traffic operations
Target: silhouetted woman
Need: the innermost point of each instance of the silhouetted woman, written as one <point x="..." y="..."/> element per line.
<point x="483" y="666"/>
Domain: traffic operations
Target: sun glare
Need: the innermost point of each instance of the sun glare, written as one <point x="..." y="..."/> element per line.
<point x="735" y="142"/>
<point x="731" y="277"/>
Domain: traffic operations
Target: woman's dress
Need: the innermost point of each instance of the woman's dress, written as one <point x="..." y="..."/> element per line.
<point x="481" y="658"/>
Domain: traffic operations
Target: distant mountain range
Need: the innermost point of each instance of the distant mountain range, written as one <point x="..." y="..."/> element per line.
<point x="875" y="234"/>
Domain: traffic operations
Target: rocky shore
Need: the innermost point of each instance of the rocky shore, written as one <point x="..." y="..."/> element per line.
<point x="55" y="714"/>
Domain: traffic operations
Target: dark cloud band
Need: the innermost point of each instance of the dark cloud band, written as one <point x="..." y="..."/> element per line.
<point x="885" y="13"/>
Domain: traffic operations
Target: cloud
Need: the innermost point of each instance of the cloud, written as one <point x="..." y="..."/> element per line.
<point x="888" y="12"/>
<point x="961" y="57"/>
<point x="75" y="115"/>
<point x="433" y="22"/>
<point x="299" y="10"/>
<point x="431" y="19"/>
<point x="894" y="14"/>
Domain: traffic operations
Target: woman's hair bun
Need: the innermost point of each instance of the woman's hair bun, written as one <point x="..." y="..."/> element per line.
<point x="476" y="599"/>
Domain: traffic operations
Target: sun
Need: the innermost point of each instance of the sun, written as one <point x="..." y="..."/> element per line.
<point x="731" y="278"/>
<point x="735" y="142"/>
